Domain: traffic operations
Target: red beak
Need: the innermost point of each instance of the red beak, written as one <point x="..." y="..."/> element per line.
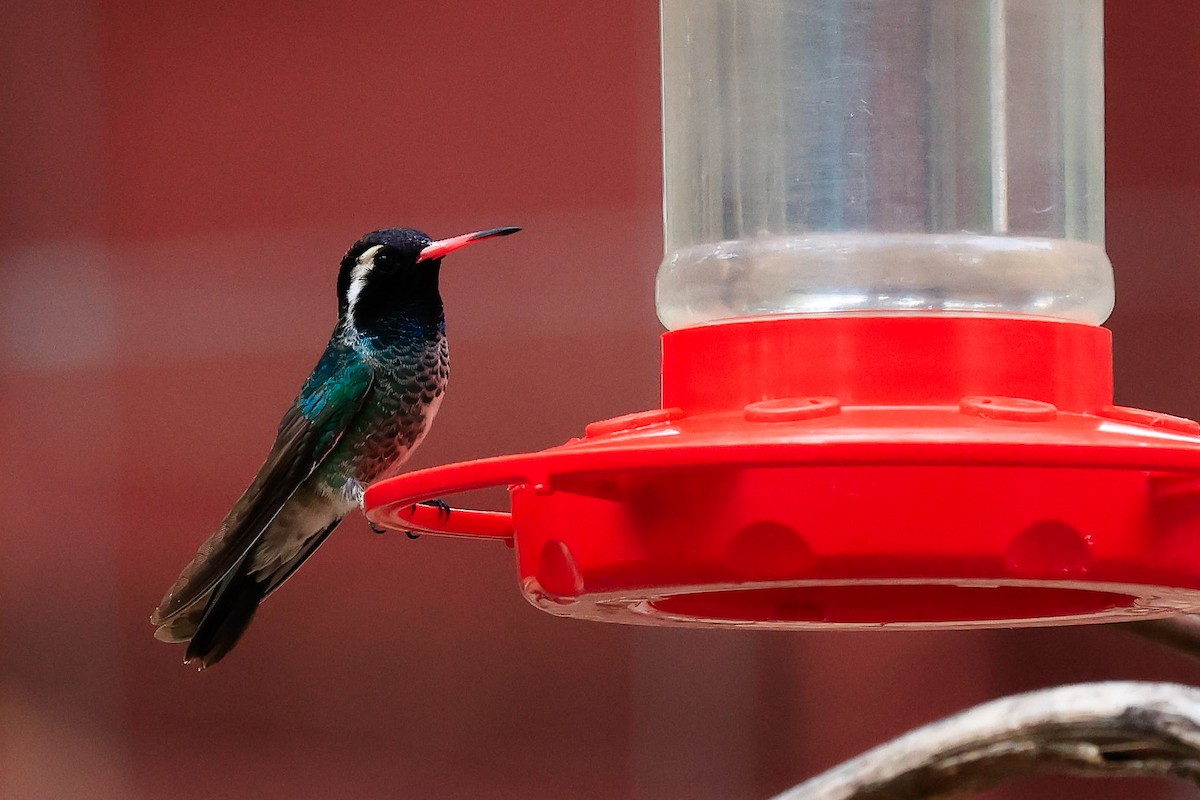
<point x="443" y="246"/>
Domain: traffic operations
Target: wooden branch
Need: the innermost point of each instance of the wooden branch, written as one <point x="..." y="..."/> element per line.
<point x="1180" y="633"/>
<point x="1094" y="729"/>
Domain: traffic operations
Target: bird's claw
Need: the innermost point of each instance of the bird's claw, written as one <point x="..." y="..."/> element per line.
<point x="381" y="530"/>
<point x="443" y="512"/>
<point x="441" y="505"/>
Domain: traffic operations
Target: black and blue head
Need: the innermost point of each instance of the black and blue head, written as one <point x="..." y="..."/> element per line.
<point x="394" y="272"/>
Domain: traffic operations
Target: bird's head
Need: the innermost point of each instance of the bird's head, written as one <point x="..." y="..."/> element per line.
<point x="395" y="270"/>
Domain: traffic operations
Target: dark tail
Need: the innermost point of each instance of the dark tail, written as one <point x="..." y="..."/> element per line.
<point x="226" y="616"/>
<point x="213" y="622"/>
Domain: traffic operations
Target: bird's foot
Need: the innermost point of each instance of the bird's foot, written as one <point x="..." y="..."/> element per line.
<point x="381" y="530"/>
<point x="443" y="512"/>
<point x="441" y="505"/>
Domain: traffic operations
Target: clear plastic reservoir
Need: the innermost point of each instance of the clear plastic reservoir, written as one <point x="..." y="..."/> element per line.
<point x="883" y="156"/>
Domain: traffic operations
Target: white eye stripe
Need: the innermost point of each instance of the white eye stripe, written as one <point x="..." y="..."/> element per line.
<point x="358" y="279"/>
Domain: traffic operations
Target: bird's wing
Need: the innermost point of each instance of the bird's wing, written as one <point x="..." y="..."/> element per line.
<point x="323" y="411"/>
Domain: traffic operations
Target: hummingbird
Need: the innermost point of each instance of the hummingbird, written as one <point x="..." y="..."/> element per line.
<point x="364" y="409"/>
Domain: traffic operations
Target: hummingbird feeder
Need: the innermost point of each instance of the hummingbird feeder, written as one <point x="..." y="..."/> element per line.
<point x="886" y="396"/>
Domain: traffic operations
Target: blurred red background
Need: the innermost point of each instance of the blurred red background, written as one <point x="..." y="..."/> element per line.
<point x="179" y="183"/>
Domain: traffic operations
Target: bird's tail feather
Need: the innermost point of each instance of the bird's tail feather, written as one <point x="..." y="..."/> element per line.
<point x="182" y="628"/>
<point x="226" y="616"/>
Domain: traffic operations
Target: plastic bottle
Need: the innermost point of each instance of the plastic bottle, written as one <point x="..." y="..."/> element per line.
<point x="883" y="156"/>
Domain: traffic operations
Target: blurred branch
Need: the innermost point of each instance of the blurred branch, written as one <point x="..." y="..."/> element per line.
<point x="1094" y="729"/>
<point x="1181" y="633"/>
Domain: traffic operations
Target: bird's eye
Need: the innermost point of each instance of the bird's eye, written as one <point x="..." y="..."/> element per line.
<point x="384" y="262"/>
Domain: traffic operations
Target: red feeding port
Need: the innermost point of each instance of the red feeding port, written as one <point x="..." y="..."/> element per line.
<point x="850" y="472"/>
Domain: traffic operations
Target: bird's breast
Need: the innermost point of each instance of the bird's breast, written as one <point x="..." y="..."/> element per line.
<point x="410" y="387"/>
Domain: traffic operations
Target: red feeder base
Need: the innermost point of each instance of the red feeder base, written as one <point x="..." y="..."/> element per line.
<point x="850" y="472"/>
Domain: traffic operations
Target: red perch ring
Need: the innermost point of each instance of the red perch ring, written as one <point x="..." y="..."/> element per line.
<point x="853" y="472"/>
